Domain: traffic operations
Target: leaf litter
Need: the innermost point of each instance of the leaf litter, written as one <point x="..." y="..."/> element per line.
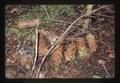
<point x="82" y="47"/>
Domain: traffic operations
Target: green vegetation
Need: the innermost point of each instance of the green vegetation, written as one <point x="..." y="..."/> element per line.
<point x="43" y="12"/>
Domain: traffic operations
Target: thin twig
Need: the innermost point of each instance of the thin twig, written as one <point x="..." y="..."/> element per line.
<point x="104" y="15"/>
<point x="63" y="22"/>
<point x="106" y="70"/>
<point x="57" y="20"/>
<point x="36" y="52"/>
<point x="10" y="59"/>
<point x="63" y="35"/>
<point x="102" y="63"/>
<point x="47" y="12"/>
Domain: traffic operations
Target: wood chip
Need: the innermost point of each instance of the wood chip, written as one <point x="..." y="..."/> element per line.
<point x="91" y="42"/>
<point x="52" y="37"/>
<point x="80" y="42"/>
<point x="70" y="52"/>
<point x="43" y="47"/>
<point x="57" y="55"/>
<point x="28" y="23"/>
<point x="82" y="49"/>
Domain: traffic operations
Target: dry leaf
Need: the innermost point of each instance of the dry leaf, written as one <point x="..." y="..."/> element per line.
<point x="82" y="49"/>
<point x="57" y="55"/>
<point x="50" y="36"/>
<point x="45" y="37"/>
<point x="43" y="47"/>
<point x="28" y="23"/>
<point x="91" y="42"/>
<point x="70" y="52"/>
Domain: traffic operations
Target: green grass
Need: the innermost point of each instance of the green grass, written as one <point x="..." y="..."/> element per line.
<point x="39" y="11"/>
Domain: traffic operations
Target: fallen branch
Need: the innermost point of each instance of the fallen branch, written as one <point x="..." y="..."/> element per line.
<point x="63" y="35"/>
<point x="36" y="52"/>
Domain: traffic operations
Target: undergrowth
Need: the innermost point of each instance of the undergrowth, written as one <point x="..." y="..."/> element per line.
<point x="43" y="12"/>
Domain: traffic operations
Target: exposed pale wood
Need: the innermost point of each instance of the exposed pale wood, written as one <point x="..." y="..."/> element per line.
<point x="36" y="52"/>
<point x="88" y="20"/>
<point x="63" y="35"/>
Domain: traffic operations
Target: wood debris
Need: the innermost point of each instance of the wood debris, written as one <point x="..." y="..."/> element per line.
<point x="28" y="23"/>
<point x="57" y="55"/>
<point x="82" y="49"/>
<point x="91" y="42"/>
<point x="52" y="38"/>
<point x="88" y="20"/>
<point x="43" y="47"/>
<point x="70" y="52"/>
<point x="80" y="42"/>
<point x="25" y="62"/>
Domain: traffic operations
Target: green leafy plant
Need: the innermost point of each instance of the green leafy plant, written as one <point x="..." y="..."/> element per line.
<point x="43" y="12"/>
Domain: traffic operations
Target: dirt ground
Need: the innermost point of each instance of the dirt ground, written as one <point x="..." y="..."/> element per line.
<point x="18" y="64"/>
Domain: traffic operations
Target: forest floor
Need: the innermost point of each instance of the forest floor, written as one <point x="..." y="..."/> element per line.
<point x="20" y="45"/>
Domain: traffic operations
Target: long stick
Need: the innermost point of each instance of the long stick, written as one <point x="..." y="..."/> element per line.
<point x="36" y="52"/>
<point x="63" y="35"/>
